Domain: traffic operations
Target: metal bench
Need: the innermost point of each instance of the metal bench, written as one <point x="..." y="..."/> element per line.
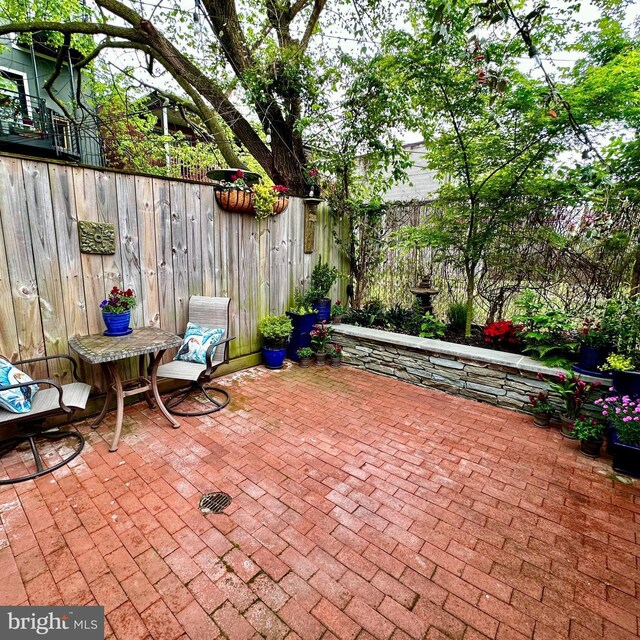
<point x="55" y="399"/>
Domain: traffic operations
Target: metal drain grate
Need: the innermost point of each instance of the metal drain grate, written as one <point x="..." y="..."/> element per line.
<point x="214" y="502"/>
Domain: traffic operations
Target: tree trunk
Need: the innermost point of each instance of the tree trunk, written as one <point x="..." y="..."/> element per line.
<point x="471" y="285"/>
<point x="634" y="284"/>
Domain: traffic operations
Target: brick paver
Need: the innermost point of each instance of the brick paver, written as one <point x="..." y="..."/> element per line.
<point x="362" y="508"/>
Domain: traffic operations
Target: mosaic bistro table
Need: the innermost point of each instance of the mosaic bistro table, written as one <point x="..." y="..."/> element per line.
<point x="106" y="351"/>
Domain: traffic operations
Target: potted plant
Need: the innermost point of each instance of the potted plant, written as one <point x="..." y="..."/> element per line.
<point x="625" y="378"/>
<point x="575" y="393"/>
<point x="594" y="344"/>
<point x="313" y="180"/>
<point x="269" y="200"/>
<point x="320" y="338"/>
<point x="334" y="353"/>
<point x="623" y="415"/>
<point x="116" y="311"/>
<point x="590" y="433"/>
<point x="621" y="324"/>
<point x="542" y="409"/>
<point x="304" y="356"/>
<point x="323" y="278"/>
<point x="337" y="311"/>
<point x="275" y="331"/>
<point x="234" y="193"/>
<point x="303" y="317"/>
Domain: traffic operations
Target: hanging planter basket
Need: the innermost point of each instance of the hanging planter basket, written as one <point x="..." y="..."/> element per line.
<point x="234" y="200"/>
<point x="281" y="204"/>
<point x="241" y="200"/>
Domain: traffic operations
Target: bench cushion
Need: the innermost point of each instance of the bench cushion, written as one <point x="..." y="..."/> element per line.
<point x="74" y="395"/>
<point x="15" y="400"/>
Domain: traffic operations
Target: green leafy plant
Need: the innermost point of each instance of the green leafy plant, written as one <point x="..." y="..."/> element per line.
<point x="371" y="314"/>
<point x="546" y="331"/>
<point x="323" y="277"/>
<point x="275" y="331"/>
<point x="621" y="324"/>
<point x="337" y="309"/>
<point x="305" y="352"/>
<point x="264" y="199"/>
<point x="431" y="327"/>
<point x="457" y="316"/>
<point x="588" y="429"/>
<point x="403" y="319"/>
<point x="618" y="362"/>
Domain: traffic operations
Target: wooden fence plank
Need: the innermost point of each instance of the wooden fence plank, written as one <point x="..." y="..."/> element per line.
<point x="21" y="267"/>
<point x="148" y="257"/>
<point x="194" y="243"/>
<point x="9" y="346"/>
<point x="208" y="241"/>
<point x="47" y="267"/>
<point x="107" y="211"/>
<point x="179" y="251"/>
<point x="162" y="214"/>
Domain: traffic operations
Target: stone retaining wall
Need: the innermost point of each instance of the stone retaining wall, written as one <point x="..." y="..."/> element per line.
<point x="503" y="379"/>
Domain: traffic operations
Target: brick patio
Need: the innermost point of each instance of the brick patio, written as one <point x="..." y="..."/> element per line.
<point x="362" y="508"/>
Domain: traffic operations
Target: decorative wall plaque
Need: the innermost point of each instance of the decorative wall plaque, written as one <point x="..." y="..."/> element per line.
<point x="97" y="237"/>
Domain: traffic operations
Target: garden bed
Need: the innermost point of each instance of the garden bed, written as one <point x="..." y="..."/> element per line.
<point x="497" y="377"/>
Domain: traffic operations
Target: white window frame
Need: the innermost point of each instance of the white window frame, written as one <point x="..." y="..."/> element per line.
<point x="27" y="89"/>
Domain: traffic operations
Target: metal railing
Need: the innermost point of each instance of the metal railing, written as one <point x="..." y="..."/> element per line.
<point x="26" y="120"/>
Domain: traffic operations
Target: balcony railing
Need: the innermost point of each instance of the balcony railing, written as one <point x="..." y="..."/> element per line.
<point x="26" y="121"/>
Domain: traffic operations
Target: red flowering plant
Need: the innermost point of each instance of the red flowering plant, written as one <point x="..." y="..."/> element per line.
<point x="313" y="176"/>
<point x="574" y="391"/>
<point x="592" y="334"/>
<point x="334" y="350"/>
<point x="279" y="188"/>
<point x="236" y="181"/>
<point x="501" y="332"/>
<point x="540" y="403"/>
<point x="320" y="337"/>
<point x="119" y="301"/>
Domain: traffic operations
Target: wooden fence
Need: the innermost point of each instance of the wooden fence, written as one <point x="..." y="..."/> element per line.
<point x="172" y="241"/>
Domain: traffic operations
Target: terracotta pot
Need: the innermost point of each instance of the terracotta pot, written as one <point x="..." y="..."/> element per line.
<point x="542" y="420"/>
<point x="336" y="319"/>
<point x="321" y="359"/>
<point x="234" y="200"/>
<point x="305" y="362"/>
<point x="335" y="362"/>
<point x="566" y="427"/>
<point x="591" y="448"/>
<point x="280" y="204"/>
<point x="242" y="200"/>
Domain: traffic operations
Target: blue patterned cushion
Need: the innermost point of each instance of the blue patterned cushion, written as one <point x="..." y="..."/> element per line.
<point x="196" y="341"/>
<point x="15" y="400"/>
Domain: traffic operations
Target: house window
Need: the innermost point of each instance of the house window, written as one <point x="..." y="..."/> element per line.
<point x="61" y="133"/>
<point x="14" y="98"/>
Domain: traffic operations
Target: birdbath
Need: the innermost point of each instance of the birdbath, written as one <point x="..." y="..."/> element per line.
<point x="423" y="291"/>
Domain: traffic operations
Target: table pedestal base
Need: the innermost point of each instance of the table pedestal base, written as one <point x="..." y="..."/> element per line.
<point x="134" y="386"/>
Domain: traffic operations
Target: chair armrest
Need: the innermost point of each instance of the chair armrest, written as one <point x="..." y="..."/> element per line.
<point x="212" y="349"/>
<point x="74" y="364"/>
<point x="31" y="383"/>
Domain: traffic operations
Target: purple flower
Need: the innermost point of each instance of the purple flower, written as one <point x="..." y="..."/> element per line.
<point x="626" y="419"/>
<point x="104" y="303"/>
<point x="605" y="413"/>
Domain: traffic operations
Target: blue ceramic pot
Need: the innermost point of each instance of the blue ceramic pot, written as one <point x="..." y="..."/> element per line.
<point x="626" y="457"/>
<point x="591" y="359"/>
<point x="117" y="323"/>
<point x="323" y="309"/>
<point x="273" y="358"/>
<point x="301" y="336"/>
<point x="627" y="383"/>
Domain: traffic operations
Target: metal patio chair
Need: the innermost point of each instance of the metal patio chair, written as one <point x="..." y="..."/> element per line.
<point x="57" y="398"/>
<point x="210" y="313"/>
